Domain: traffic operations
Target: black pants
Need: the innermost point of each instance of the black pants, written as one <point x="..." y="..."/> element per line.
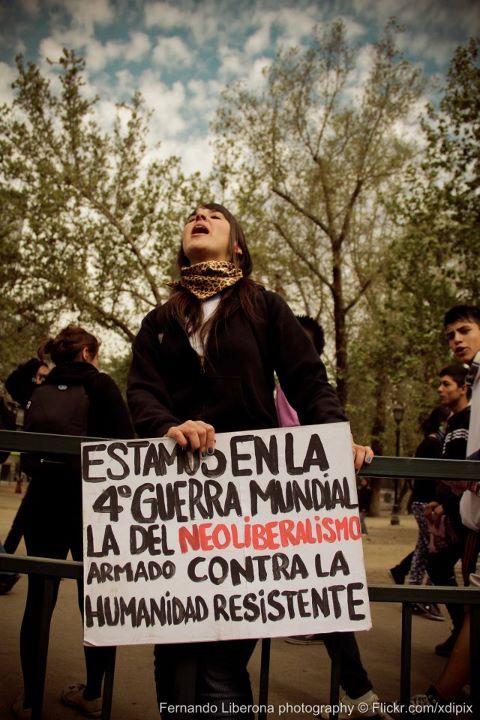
<point x="441" y="570"/>
<point x="353" y="676"/>
<point x="405" y="564"/>
<point x="211" y="675"/>
<point x="53" y="528"/>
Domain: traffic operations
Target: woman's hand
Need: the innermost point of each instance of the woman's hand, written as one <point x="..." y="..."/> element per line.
<point x="433" y="511"/>
<point x="361" y="454"/>
<point x="195" y="434"/>
<point x="439" y="510"/>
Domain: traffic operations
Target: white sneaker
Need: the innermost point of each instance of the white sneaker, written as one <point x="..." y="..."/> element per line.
<point x="72" y="696"/>
<point x="365" y="706"/>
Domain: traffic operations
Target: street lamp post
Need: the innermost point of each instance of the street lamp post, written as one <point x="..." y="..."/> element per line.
<point x="398" y="411"/>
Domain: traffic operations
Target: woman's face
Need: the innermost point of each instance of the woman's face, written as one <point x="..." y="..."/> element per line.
<point x="206" y="236"/>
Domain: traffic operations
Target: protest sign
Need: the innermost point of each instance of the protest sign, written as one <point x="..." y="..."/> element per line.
<point x="260" y="539"/>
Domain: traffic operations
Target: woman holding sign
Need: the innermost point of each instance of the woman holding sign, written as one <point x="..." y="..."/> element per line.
<point x="204" y="362"/>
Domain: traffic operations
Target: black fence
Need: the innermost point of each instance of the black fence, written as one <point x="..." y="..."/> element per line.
<point x="408" y="595"/>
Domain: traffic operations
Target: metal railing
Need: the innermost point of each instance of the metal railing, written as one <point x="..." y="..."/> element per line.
<point x="385" y="467"/>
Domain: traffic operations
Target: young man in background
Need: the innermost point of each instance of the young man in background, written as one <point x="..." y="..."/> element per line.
<point x="462" y="330"/>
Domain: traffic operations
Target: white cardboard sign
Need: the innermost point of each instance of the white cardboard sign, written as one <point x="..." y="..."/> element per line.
<point x="260" y="539"/>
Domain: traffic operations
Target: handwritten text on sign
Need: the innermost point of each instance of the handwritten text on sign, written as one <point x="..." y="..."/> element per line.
<point x="260" y="539"/>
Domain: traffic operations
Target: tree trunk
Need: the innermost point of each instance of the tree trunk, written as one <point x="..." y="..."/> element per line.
<point x="341" y="358"/>
<point x="379" y="418"/>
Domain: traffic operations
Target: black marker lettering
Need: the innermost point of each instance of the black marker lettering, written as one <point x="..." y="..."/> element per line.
<point x="87" y="462"/>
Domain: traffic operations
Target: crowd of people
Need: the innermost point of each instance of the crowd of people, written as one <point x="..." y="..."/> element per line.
<point x="207" y="362"/>
<point x="448" y="514"/>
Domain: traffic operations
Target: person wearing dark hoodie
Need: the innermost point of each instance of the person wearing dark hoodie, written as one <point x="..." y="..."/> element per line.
<point x="204" y="363"/>
<point x="24" y="379"/>
<point x="20" y="385"/>
<point x="75" y="399"/>
<point x="7" y="422"/>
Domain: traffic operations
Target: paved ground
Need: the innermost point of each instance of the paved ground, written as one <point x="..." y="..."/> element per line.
<point x="299" y="674"/>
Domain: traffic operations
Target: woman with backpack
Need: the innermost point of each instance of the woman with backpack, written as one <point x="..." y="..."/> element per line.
<point x="75" y="399"/>
<point x="204" y="362"/>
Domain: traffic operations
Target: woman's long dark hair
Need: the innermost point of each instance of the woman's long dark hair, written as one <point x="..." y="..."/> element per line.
<point x="187" y="308"/>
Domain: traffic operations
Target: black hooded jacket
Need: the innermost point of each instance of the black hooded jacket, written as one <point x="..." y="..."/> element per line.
<point x="233" y="388"/>
<point x="108" y="415"/>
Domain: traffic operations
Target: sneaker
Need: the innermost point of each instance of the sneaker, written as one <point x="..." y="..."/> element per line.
<point x="445" y="649"/>
<point x="366" y="706"/>
<point x="435" y="611"/>
<point x="427" y="611"/>
<point x="72" y="696"/>
<point x="428" y="705"/>
<point x="421" y="700"/>
<point x="397" y="575"/>
<point x="431" y="701"/>
<point x="20" y="712"/>
<point x="7" y="582"/>
<point x="305" y="640"/>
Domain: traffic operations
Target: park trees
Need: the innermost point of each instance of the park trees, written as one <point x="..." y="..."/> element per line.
<point x="310" y="158"/>
<point x="433" y="263"/>
<point x="92" y="219"/>
<point x="346" y="217"/>
<point x="440" y="210"/>
<point x="21" y="318"/>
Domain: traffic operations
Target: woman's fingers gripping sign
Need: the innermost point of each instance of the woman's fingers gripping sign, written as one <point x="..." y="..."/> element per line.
<point x="195" y="435"/>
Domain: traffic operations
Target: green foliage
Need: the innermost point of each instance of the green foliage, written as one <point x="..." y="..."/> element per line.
<point x="97" y="220"/>
<point x="22" y="322"/>
<point x="433" y="262"/>
<point x="374" y="236"/>
<point x="309" y="160"/>
<point x="440" y="212"/>
<point x="118" y="367"/>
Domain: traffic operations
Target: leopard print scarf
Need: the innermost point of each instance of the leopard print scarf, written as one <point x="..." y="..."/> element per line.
<point x="206" y="279"/>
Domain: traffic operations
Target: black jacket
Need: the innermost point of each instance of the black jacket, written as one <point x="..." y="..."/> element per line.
<point x="7" y="422"/>
<point x="456" y="436"/>
<point x="55" y="488"/>
<point x="454" y="448"/>
<point x="233" y="390"/>
<point x="107" y="413"/>
<point x="424" y="489"/>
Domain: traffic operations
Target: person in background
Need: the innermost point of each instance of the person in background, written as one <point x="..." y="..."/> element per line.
<point x="443" y="512"/>
<point x="462" y="330"/>
<point x="20" y="384"/>
<point x="424" y="491"/>
<point x="204" y="362"/>
<point x="364" y="492"/>
<point x="23" y="380"/>
<point x="360" y="698"/>
<point x="7" y="422"/>
<point x="287" y="417"/>
<point x="75" y="399"/>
